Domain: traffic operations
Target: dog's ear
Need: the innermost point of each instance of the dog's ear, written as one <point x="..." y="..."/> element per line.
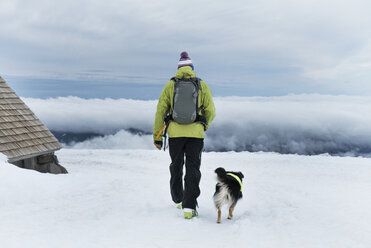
<point x="240" y="174"/>
<point x="220" y="171"/>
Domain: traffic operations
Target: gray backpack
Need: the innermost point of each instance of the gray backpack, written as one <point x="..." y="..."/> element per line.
<point x="185" y="101"/>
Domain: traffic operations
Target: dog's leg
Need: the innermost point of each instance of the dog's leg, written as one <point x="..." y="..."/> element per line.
<point x="219" y="215"/>
<point x="231" y="212"/>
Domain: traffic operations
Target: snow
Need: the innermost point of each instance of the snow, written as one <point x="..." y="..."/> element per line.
<point x="121" y="198"/>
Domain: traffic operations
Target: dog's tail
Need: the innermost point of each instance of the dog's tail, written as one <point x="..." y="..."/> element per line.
<point x="222" y="174"/>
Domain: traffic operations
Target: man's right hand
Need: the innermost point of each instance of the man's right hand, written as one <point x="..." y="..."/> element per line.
<point x="158" y="144"/>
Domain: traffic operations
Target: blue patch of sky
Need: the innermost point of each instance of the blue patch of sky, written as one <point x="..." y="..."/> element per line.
<point x="51" y="88"/>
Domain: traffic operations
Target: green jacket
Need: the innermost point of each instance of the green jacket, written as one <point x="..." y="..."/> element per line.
<point x="165" y="104"/>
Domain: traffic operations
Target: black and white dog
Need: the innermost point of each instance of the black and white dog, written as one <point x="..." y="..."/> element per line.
<point x="228" y="190"/>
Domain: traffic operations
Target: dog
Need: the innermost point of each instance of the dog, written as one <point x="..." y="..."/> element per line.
<point x="228" y="190"/>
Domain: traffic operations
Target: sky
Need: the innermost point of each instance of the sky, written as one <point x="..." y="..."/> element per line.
<point x="130" y="48"/>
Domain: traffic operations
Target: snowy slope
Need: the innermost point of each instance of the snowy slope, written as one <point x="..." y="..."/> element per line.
<point x="120" y="198"/>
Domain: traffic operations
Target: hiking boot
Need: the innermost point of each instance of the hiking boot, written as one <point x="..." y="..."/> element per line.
<point x="190" y="213"/>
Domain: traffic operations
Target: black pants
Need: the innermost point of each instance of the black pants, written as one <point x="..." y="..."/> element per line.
<point x="191" y="148"/>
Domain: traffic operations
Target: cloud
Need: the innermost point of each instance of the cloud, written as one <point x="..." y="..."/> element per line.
<point x="105" y="116"/>
<point x="303" y="124"/>
<point x="305" y="46"/>
<point x="120" y="140"/>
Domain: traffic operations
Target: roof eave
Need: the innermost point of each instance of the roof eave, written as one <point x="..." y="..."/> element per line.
<point x="14" y="159"/>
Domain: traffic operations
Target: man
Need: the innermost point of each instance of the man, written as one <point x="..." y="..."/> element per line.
<point x="185" y="139"/>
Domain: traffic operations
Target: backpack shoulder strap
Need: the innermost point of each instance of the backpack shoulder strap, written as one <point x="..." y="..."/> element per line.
<point x="175" y="79"/>
<point x="198" y="82"/>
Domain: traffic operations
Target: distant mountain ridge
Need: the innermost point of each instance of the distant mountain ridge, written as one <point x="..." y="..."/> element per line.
<point x="70" y="138"/>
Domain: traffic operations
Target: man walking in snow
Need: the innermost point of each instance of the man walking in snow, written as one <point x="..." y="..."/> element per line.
<point x="185" y="126"/>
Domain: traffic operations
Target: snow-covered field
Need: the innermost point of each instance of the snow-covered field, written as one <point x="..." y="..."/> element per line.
<point x="120" y="198"/>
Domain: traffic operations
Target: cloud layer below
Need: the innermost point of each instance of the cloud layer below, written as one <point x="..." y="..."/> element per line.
<point x="302" y="124"/>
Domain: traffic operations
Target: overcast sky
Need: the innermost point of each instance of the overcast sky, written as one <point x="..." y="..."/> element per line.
<point x="130" y="48"/>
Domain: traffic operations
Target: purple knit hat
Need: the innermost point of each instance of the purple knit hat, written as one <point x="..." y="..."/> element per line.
<point x="185" y="60"/>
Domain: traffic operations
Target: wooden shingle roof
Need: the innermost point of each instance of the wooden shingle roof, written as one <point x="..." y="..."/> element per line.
<point x="22" y="134"/>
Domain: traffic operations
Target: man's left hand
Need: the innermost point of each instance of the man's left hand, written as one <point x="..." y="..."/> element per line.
<point x="158" y="144"/>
